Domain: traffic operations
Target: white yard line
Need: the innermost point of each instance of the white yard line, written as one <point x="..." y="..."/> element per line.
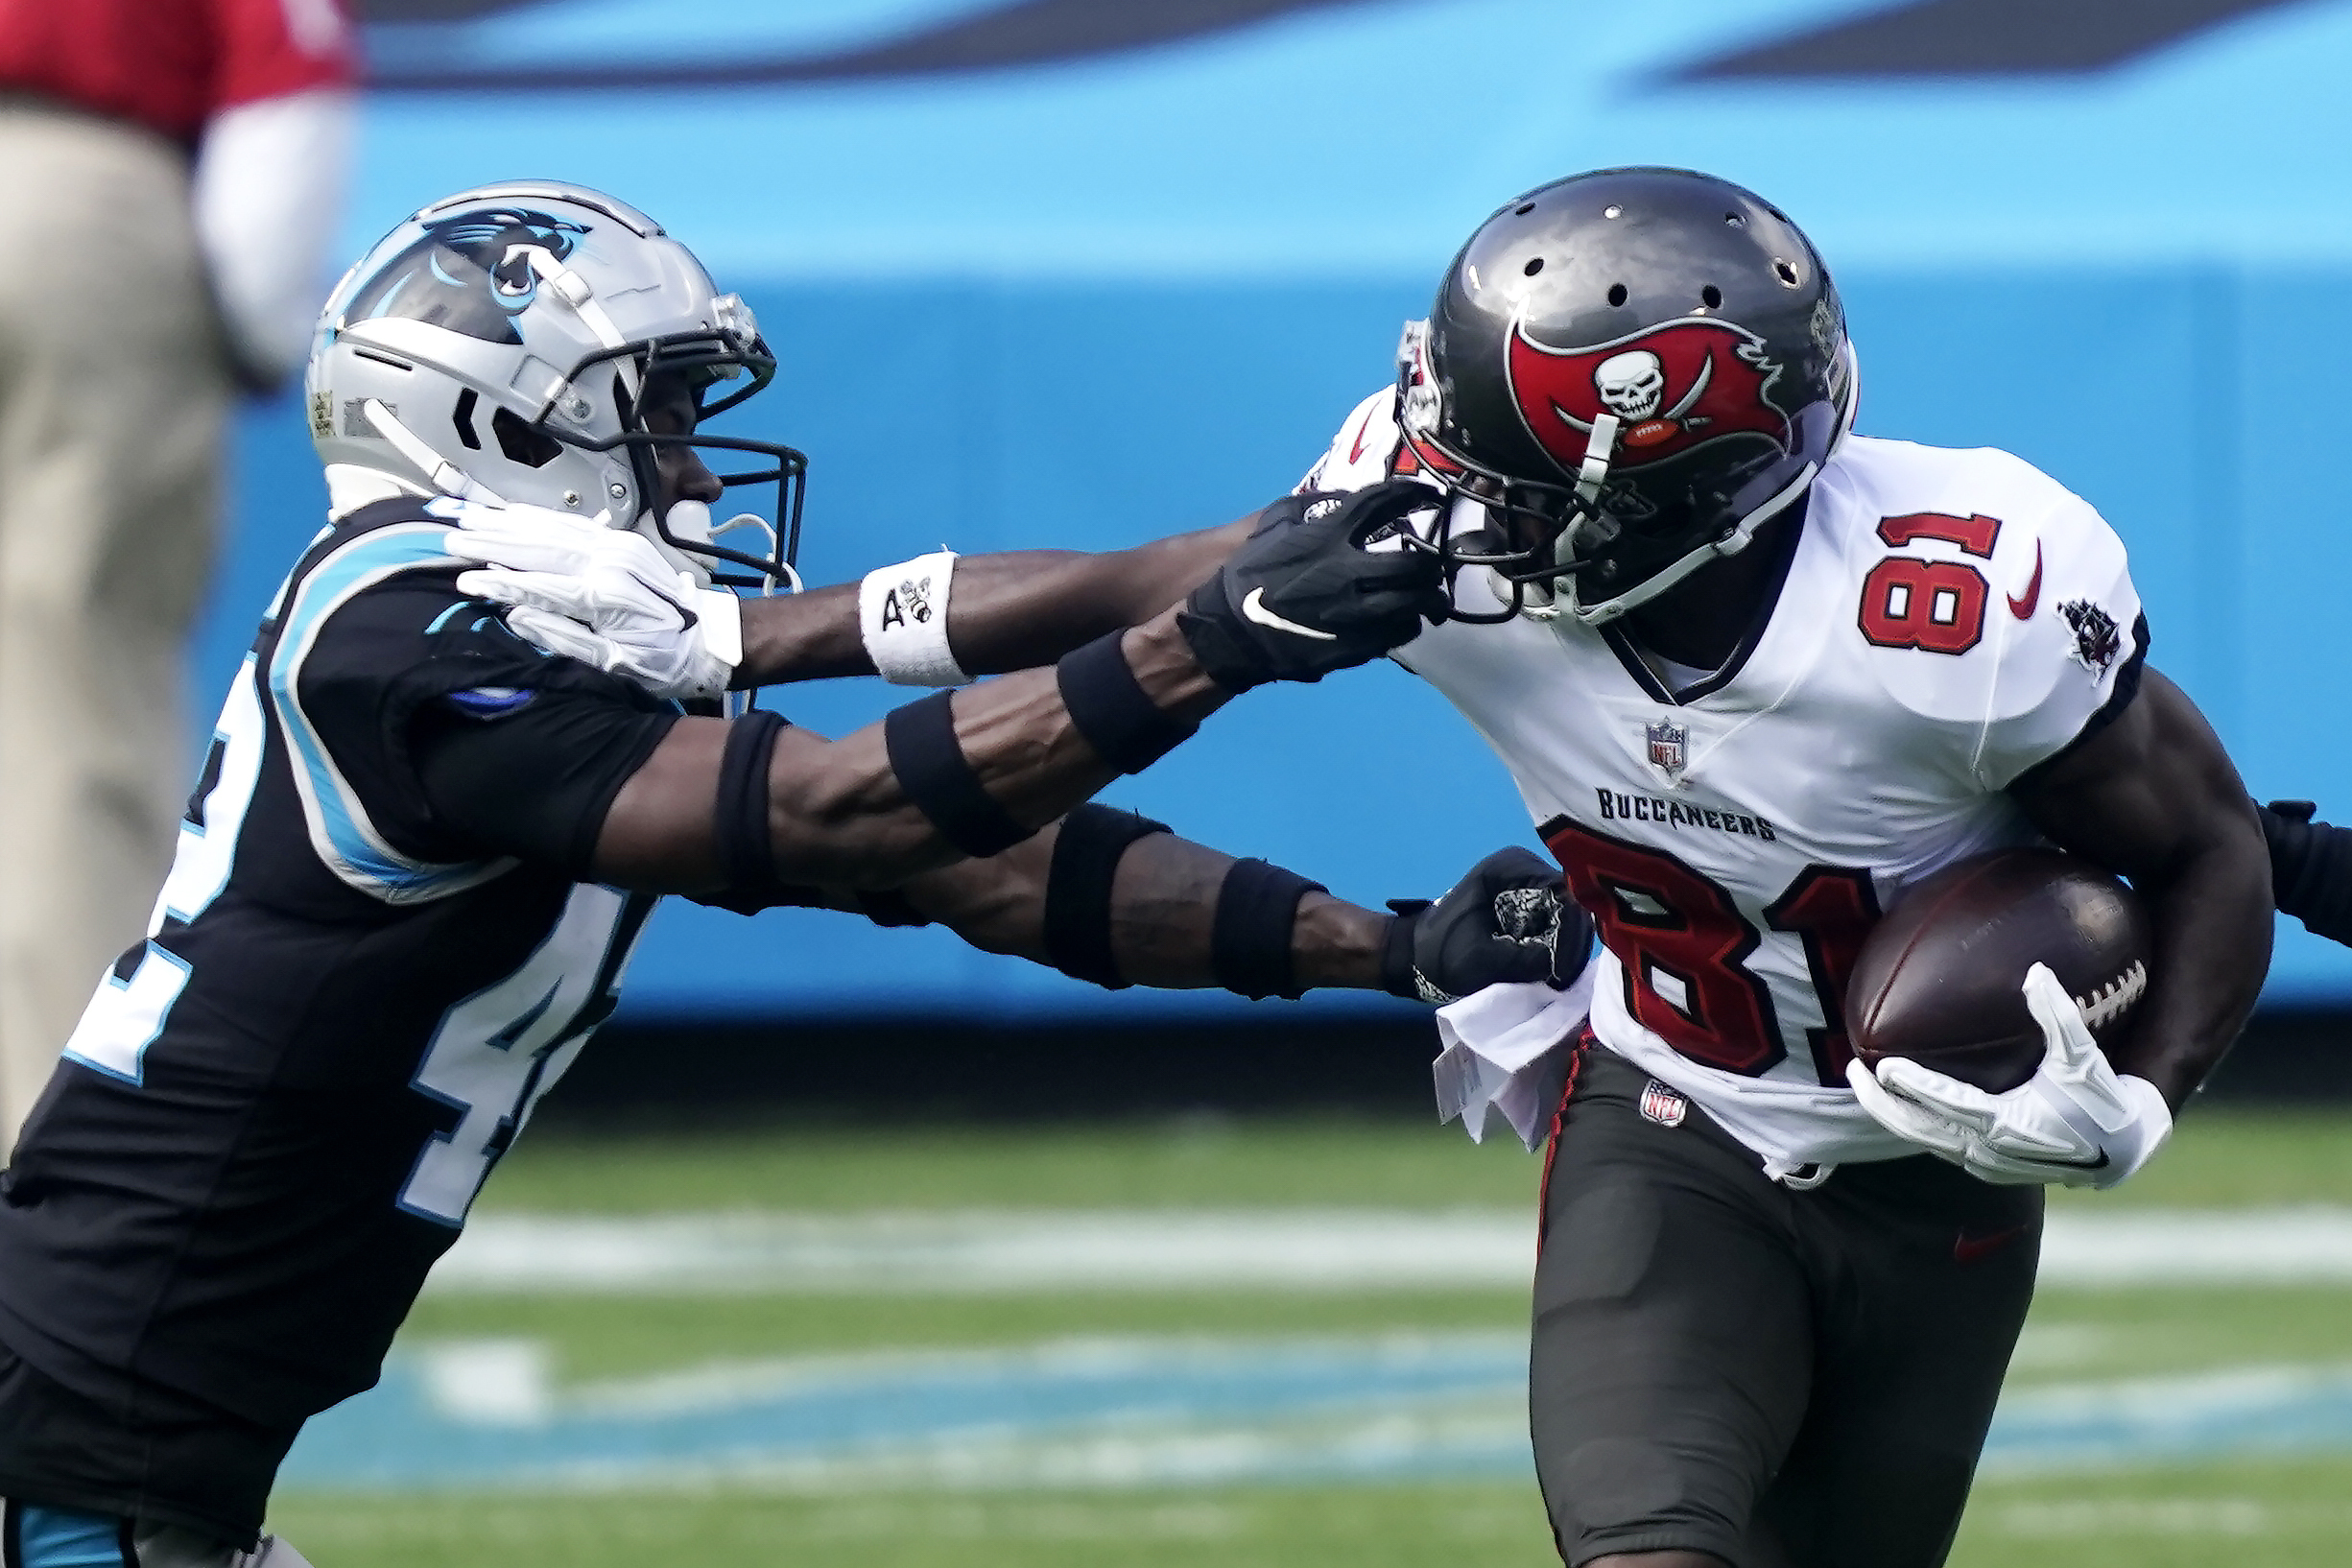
<point x="943" y="1251"/>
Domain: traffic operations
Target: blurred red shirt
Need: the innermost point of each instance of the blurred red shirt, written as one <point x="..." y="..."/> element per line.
<point x="172" y="64"/>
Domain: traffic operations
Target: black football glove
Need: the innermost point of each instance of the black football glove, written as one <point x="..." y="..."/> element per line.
<point x="1301" y="598"/>
<point x="1507" y="921"/>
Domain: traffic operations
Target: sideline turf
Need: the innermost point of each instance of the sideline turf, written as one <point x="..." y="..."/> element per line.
<point x="2288" y="1512"/>
<point x="2220" y="1157"/>
<point x="2279" y="1515"/>
<point x="1189" y="1163"/>
<point x="1497" y="1526"/>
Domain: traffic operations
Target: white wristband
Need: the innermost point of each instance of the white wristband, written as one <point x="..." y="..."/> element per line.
<point x="902" y="614"/>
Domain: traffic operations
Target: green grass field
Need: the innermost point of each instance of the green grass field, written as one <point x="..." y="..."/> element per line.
<point x="2295" y="1509"/>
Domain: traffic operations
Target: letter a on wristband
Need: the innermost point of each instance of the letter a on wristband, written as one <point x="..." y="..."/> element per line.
<point x="902" y="615"/>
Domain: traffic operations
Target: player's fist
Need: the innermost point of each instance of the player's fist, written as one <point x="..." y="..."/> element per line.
<point x="1506" y="922"/>
<point x="1302" y="597"/>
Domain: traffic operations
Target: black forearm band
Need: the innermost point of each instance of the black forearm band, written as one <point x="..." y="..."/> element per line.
<point x="747" y="849"/>
<point x="924" y="753"/>
<point x="1077" y="889"/>
<point x="1108" y="706"/>
<point x="1250" y="939"/>
<point x="2311" y="872"/>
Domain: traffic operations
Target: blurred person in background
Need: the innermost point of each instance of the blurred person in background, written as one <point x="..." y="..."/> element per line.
<point x="174" y="170"/>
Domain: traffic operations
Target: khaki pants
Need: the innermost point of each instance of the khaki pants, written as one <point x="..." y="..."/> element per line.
<point x="113" y="388"/>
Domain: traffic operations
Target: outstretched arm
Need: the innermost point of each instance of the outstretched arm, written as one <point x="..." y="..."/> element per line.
<point x="1014" y="611"/>
<point x="1161" y="914"/>
<point x="608" y="598"/>
<point x="1167" y="913"/>
<point x="974" y="774"/>
<point x="2155" y="799"/>
<point x="2310" y="867"/>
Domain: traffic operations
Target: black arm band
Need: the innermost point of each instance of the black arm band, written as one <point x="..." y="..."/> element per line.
<point x="931" y="768"/>
<point x="745" y="847"/>
<point x="1249" y="939"/>
<point x="1108" y="707"/>
<point x="1078" y="890"/>
<point x="2311" y="871"/>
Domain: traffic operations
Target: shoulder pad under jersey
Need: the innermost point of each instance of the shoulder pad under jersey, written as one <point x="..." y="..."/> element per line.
<point x="1364" y="450"/>
<point x="1987" y="596"/>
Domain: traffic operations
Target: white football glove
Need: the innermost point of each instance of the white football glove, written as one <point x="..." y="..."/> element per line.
<point x="606" y="597"/>
<point x="2076" y="1122"/>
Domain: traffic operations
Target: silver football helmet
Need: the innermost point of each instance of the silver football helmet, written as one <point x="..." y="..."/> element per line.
<point x="497" y="348"/>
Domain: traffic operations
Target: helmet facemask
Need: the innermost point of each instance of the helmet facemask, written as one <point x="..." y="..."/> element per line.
<point x="1525" y="534"/>
<point x="706" y="362"/>
<point x="1607" y="544"/>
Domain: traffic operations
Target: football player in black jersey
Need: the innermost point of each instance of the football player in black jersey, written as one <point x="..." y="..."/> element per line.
<point x="421" y="848"/>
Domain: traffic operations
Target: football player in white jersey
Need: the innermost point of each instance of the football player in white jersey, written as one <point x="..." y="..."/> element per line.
<point x="1754" y="676"/>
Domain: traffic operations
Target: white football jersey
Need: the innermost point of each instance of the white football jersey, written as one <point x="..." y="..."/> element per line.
<point x="1948" y="621"/>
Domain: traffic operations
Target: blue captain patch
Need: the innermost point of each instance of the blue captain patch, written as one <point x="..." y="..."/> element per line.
<point x="492" y="701"/>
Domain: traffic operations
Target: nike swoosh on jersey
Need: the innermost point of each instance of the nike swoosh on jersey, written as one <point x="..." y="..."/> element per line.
<point x="1254" y="608"/>
<point x="2023" y="606"/>
<point x="1967" y="1248"/>
<point x="1355" y="453"/>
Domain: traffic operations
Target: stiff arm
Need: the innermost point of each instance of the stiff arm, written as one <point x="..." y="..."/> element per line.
<point x="1014" y="611"/>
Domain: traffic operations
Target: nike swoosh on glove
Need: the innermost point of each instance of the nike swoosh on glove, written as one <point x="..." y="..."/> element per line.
<point x="606" y="597"/>
<point x="1507" y="921"/>
<point x="1302" y="598"/>
<point x="2076" y="1121"/>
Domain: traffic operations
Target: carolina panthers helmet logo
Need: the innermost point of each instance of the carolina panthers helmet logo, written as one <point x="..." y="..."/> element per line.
<point x="1672" y="386"/>
<point x="471" y="272"/>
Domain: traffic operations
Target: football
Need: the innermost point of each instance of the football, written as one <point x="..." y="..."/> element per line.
<point x="1938" y="980"/>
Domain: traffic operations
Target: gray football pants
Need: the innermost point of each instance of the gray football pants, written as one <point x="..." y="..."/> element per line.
<point x="1779" y="1379"/>
<point x="113" y="390"/>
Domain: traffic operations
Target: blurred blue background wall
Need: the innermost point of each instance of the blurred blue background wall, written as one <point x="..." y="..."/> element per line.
<point x="1078" y="272"/>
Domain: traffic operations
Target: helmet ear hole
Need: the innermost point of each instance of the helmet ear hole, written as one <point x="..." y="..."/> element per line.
<point x="531" y="448"/>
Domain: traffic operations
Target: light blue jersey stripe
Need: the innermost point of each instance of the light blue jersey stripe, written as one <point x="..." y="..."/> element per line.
<point x="340" y="832"/>
<point x="49" y="1537"/>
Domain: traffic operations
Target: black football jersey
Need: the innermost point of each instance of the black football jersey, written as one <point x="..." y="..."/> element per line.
<point x="376" y="949"/>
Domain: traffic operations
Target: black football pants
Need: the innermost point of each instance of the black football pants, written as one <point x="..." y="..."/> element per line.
<point x="1781" y="1379"/>
<point x="170" y="1462"/>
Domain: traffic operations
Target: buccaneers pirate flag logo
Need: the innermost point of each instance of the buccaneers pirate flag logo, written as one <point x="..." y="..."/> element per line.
<point x="1672" y="388"/>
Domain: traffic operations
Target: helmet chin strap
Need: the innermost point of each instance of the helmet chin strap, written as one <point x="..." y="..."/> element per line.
<point x="1730" y="544"/>
<point x="443" y="475"/>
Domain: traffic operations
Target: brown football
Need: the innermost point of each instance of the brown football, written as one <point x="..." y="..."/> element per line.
<point x="1940" y="979"/>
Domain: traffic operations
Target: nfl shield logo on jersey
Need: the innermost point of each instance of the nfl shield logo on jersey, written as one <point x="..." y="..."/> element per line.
<point x="1662" y="1105"/>
<point x="1669" y="746"/>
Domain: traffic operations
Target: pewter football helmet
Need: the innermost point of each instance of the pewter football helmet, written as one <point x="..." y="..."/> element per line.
<point x="496" y="347"/>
